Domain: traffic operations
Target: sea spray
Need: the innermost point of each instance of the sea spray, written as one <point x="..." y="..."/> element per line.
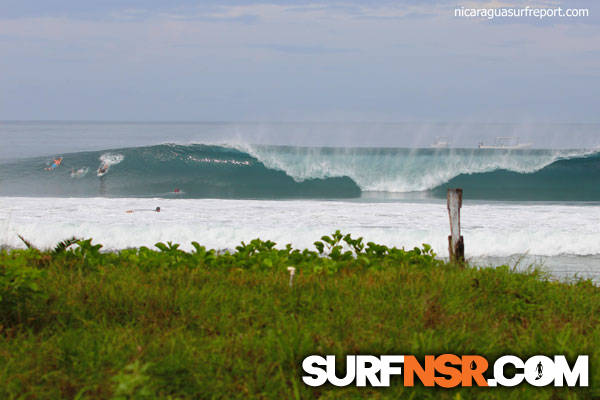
<point x="402" y="170"/>
<point x="111" y="158"/>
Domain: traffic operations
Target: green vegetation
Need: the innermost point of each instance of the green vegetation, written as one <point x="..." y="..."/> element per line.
<point x="76" y="322"/>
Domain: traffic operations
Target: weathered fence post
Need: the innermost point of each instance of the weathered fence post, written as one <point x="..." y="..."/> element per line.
<point x="292" y="271"/>
<point x="456" y="247"/>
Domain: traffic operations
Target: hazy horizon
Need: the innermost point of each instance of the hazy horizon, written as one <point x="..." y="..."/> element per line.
<point x="42" y="138"/>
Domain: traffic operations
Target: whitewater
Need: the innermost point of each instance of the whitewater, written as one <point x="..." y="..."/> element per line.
<point x="493" y="232"/>
<point x="402" y="169"/>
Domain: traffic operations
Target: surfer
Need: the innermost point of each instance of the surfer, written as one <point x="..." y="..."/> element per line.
<point x="55" y="164"/>
<point x="157" y="209"/>
<point x="79" y="173"/>
<point x="103" y="169"/>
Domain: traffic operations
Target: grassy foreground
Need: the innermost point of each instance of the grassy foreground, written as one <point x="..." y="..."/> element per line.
<point x="79" y="323"/>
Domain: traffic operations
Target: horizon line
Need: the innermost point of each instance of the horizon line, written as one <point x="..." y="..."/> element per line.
<point x="166" y="121"/>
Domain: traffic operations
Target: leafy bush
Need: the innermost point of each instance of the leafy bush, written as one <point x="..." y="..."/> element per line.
<point x="19" y="285"/>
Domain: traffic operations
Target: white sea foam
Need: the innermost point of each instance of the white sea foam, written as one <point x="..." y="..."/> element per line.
<point x="389" y="171"/>
<point x="489" y="229"/>
<point x="80" y="172"/>
<point x="111" y="158"/>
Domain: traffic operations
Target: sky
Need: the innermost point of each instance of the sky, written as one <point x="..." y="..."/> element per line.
<point x="184" y="60"/>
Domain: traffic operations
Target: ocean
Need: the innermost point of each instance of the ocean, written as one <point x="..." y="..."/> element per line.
<point x="223" y="183"/>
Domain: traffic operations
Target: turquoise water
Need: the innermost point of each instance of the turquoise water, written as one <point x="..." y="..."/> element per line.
<point x="282" y="172"/>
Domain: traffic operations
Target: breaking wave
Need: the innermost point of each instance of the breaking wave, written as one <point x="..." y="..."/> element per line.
<point x="245" y="171"/>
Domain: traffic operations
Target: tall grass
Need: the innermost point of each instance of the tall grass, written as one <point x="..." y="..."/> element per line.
<point x="139" y="323"/>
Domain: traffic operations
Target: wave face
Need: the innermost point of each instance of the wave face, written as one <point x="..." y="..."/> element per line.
<point x="244" y="171"/>
<point x="194" y="171"/>
<point x="491" y="174"/>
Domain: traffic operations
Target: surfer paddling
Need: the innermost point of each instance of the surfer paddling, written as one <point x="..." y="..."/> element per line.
<point x="79" y="173"/>
<point x="107" y="160"/>
<point x="157" y="209"/>
<point x="55" y="164"/>
<point x="103" y="169"/>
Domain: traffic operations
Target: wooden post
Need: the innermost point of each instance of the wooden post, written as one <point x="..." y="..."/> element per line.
<point x="456" y="247"/>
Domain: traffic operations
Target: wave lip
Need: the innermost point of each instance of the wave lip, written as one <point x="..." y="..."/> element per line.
<point x="402" y="170"/>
